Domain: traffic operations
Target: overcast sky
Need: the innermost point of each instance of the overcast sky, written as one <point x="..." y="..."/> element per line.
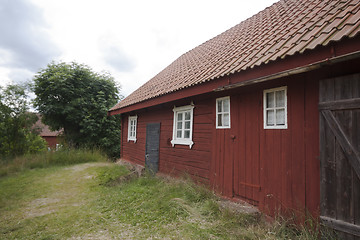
<point x="133" y="40"/>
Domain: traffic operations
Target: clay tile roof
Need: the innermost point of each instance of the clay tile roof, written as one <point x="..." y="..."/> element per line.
<point x="283" y="29"/>
<point x="44" y="129"/>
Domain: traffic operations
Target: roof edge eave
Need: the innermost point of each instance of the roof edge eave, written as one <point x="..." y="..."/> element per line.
<point x="221" y="83"/>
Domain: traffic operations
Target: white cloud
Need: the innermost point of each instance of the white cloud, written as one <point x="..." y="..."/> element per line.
<point x="25" y="45"/>
<point x="133" y="40"/>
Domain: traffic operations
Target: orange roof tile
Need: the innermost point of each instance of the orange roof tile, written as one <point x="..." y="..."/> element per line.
<point x="44" y="129"/>
<point x="283" y="29"/>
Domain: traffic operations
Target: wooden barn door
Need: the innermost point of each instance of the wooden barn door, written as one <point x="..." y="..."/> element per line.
<point x="246" y="150"/>
<point x="340" y="155"/>
<point x="152" y="147"/>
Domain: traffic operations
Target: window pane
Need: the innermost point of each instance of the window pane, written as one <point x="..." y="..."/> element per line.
<point x="270" y="117"/>
<point x="187" y="134"/>
<point x="219" y="105"/>
<point x="178" y="134"/>
<point x="220" y="124"/>
<point x="280" y="98"/>
<point x="270" y="100"/>
<point x="226" y="105"/>
<point x="179" y="116"/>
<point x="226" y="119"/>
<point x="187" y="115"/>
<point x="187" y="125"/>
<point x="280" y="117"/>
<point x="179" y="125"/>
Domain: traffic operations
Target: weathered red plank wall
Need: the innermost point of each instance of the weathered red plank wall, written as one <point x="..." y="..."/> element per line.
<point x="276" y="169"/>
<point x="51" y="141"/>
<point x="178" y="159"/>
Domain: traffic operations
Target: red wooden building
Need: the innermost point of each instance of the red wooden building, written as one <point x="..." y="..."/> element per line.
<point x="247" y="112"/>
<point x="52" y="138"/>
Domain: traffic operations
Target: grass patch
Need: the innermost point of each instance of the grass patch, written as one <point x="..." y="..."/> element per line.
<point x="88" y="201"/>
<point x="46" y="159"/>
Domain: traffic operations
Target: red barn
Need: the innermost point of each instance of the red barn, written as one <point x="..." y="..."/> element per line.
<point x="268" y="112"/>
<point x="51" y="137"/>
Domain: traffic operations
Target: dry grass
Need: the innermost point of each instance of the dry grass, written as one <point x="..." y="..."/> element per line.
<point x="87" y="201"/>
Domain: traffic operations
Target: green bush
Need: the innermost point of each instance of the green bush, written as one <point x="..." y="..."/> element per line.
<point x="16" y="124"/>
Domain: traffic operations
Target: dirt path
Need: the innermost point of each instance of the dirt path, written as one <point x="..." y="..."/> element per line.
<point x="44" y="203"/>
<point x="65" y="188"/>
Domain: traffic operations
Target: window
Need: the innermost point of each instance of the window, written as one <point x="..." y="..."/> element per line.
<point x="132" y="128"/>
<point x="275" y="108"/>
<point x="223" y="112"/>
<point x="182" y="126"/>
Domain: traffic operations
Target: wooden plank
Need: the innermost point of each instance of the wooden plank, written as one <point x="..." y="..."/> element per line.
<point x="228" y="164"/>
<point x="249" y="149"/>
<point x="213" y="165"/>
<point x="343" y="168"/>
<point x="287" y="168"/>
<point x="263" y="169"/>
<point x="172" y="159"/>
<point x="181" y="169"/>
<point x="312" y="161"/>
<point x="269" y="169"/>
<point x="341" y="225"/>
<point x="326" y="90"/>
<point x="257" y="109"/>
<point x="327" y="173"/>
<point x="343" y="173"/>
<point x="296" y="114"/>
<point x="242" y="146"/>
<point x="220" y="142"/>
<point x="355" y="137"/>
<point x="351" y="153"/>
<point x="340" y="104"/>
<point x="236" y="125"/>
<point x="355" y="85"/>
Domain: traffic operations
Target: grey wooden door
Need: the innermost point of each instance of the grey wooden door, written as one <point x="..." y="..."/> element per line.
<point x="152" y="147"/>
<point x="340" y="155"/>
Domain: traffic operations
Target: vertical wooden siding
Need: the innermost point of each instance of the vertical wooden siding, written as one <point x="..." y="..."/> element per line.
<point x="277" y="169"/>
<point x="51" y="141"/>
<point x="180" y="158"/>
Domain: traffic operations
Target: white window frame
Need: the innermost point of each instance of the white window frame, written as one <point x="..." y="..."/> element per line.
<point x="266" y="109"/>
<point x="130" y="120"/>
<point x="182" y="141"/>
<point x="222" y="113"/>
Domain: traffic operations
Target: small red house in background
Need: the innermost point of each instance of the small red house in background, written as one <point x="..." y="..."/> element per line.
<point x="267" y="112"/>
<point x="51" y="137"/>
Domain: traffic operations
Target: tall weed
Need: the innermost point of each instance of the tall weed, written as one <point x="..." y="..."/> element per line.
<point x="47" y="159"/>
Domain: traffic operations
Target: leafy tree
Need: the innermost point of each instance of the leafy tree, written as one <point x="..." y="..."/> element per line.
<point x="73" y="97"/>
<point x="16" y="124"/>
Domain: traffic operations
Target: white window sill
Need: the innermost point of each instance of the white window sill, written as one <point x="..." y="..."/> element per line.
<point x="134" y="140"/>
<point x="223" y="127"/>
<point x="276" y="127"/>
<point x="182" y="142"/>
